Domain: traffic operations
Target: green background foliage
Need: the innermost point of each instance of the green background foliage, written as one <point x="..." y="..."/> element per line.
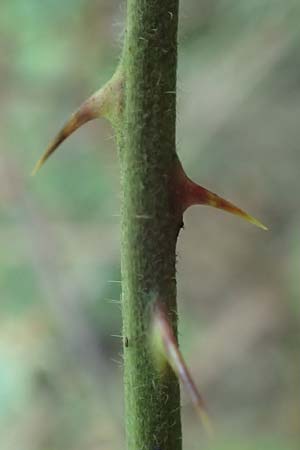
<point x="238" y="288"/>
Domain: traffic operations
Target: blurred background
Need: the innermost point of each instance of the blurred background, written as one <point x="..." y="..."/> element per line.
<point x="238" y="287"/>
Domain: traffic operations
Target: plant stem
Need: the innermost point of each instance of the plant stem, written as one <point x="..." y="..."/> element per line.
<point x="146" y="140"/>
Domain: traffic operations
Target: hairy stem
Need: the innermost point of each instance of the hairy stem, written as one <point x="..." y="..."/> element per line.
<point x="146" y="140"/>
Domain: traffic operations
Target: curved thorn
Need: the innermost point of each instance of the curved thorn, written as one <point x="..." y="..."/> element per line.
<point x="89" y="110"/>
<point x="106" y="102"/>
<point x="163" y="330"/>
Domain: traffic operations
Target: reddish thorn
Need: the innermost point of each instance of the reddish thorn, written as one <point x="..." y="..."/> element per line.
<point x="189" y="193"/>
<point x="162" y="327"/>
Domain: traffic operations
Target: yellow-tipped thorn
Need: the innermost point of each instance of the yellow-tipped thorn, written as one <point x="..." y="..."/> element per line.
<point x="218" y="202"/>
<point x="37" y="166"/>
<point x="43" y="159"/>
<point x="206" y="422"/>
<point x="103" y="103"/>
<point x="254" y="221"/>
<point x="83" y="115"/>
<point x="91" y="109"/>
<point x="194" y="194"/>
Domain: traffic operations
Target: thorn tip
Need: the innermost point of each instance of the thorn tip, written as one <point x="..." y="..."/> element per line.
<point x="163" y="335"/>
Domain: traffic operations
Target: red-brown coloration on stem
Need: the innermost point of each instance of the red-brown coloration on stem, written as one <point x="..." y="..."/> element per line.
<point x="187" y="193"/>
<point x="163" y="329"/>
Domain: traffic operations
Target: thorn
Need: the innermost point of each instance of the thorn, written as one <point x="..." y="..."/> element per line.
<point x="189" y="193"/>
<point x="199" y="195"/>
<point x="103" y="103"/>
<point x="163" y="336"/>
<point x="89" y="110"/>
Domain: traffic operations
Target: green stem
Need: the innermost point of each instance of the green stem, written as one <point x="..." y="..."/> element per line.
<point x="146" y="139"/>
